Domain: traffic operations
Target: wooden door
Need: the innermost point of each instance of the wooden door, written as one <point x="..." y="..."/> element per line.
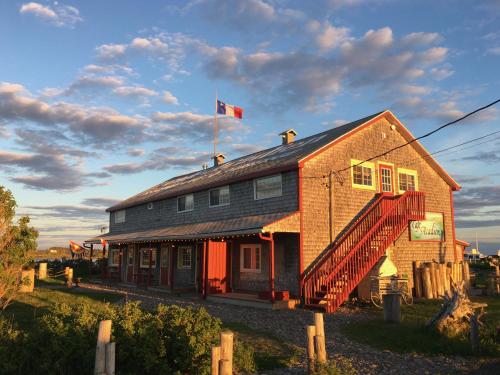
<point x="386" y="178"/>
<point x="217" y="267"/>
<point x="130" y="263"/>
<point x="164" y="265"/>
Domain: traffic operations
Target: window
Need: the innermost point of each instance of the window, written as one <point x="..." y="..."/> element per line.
<point x="363" y="175"/>
<point x="119" y="216"/>
<point x="267" y="187"/>
<point x="114" y="257"/>
<point x="131" y="255"/>
<point x="250" y="256"/>
<point x="219" y="196"/>
<point x="185" y="203"/>
<point x="408" y="180"/>
<point x="145" y="255"/>
<point x="184" y="257"/>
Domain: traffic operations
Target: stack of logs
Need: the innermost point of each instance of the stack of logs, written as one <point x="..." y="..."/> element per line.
<point x="316" y="343"/>
<point x="434" y="280"/>
<point x="222" y="356"/>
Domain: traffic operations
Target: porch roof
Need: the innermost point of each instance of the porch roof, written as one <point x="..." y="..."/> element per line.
<point x="276" y="222"/>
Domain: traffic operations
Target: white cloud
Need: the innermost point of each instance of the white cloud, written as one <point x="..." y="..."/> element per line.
<point x="134" y="91"/>
<point x="441" y="73"/>
<point x="110" y="51"/>
<point x="58" y="15"/>
<point x="415" y="90"/>
<point x="331" y="37"/>
<point x="494" y="51"/>
<point x="422" y="38"/>
<point x="169" y="98"/>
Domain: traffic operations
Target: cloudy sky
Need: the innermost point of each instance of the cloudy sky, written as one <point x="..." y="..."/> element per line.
<point x="102" y="99"/>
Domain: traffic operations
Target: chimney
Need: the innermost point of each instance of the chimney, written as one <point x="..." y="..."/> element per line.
<point x="218" y="159"/>
<point x="288" y="136"/>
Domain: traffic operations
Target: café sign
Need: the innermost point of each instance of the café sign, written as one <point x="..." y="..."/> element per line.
<point x="430" y="229"/>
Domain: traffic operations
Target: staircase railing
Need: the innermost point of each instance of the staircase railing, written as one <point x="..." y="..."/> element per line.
<point x="356" y="252"/>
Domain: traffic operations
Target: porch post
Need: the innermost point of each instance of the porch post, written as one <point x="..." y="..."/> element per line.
<point x="171" y="266"/>
<point x="205" y="270"/>
<point x="120" y="250"/>
<point x="90" y="258"/>
<point x="149" y="269"/>
<point x="271" y="267"/>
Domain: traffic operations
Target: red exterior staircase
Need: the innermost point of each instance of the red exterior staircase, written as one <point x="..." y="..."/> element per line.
<point x="348" y="260"/>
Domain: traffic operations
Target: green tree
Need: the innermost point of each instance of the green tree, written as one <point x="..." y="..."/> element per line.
<point x="16" y="243"/>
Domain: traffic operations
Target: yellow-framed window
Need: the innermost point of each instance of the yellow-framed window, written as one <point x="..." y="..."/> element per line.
<point x="407" y="180"/>
<point x="363" y="175"/>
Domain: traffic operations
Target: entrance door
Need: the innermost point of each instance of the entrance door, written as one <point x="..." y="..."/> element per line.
<point x="164" y="266"/>
<point x="386" y="176"/>
<point x="130" y="263"/>
<point x="217" y="267"/>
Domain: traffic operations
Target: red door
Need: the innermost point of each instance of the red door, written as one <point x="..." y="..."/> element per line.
<point x="386" y="177"/>
<point x="164" y="268"/>
<point x="217" y="267"/>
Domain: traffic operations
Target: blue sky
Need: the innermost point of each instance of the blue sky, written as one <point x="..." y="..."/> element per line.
<point x="102" y="99"/>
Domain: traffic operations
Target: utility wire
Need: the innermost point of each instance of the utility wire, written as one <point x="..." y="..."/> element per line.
<point x="423" y="136"/>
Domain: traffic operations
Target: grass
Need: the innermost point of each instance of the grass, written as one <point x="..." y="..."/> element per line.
<point x="28" y="306"/>
<point x="411" y="336"/>
<point x="270" y="352"/>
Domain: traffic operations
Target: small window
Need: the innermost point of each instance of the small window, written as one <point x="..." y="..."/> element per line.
<point x="119" y="216"/>
<point x="150" y="206"/>
<point x="185" y="203"/>
<point x="184" y="257"/>
<point x="363" y="175"/>
<point x="146" y="254"/>
<point x="267" y="187"/>
<point x="219" y="196"/>
<point x="250" y="258"/>
<point x="408" y="180"/>
<point x="114" y="257"/>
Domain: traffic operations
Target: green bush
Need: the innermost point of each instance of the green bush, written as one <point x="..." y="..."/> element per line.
<point x="338" y="367"/>
<point x="169" y="340"/>
<point x="244" y="357"/>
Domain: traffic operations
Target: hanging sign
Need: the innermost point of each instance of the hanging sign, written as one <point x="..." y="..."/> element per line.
<point x="430" y="229"/>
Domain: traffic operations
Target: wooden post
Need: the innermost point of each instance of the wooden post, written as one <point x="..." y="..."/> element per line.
<point x="427" y="283"/>
<point x="442" y="275"/>
<point x="392" y="308"/>
<point x="417" y="279"/>
<point x="215" y="360"/>
<point x="110" y="358"/>
<point x="271" y="268"/>
<point x="319" y="327"/>
<point x="66" y="271"/>
<point x="497" y="278"/>
<point x="311" y="332"/>
<point x="103" y="338"/>
<point x="440" y="279"/>
<point x="434" y="280"/>
<point x="42" y="271"/>
<point x="69" y="278"/>
<point x="225" y="367"/>
<point x="448" y="276"/>
<point x="466" y="274"/>
<point x="474" y="333"/>
<point x="226" y="350"/>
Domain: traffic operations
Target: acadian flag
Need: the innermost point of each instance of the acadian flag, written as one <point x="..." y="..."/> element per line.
<point x="103" y="243"/>
<point x="75" y="248"/>
<point x="229" y="110"/>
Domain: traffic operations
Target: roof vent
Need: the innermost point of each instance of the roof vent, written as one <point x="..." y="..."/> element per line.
<point x="218" y="159"/>
<point x="288" y="136"/>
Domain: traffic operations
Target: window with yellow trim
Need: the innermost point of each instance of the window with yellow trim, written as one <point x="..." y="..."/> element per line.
<point x="408" y="180"/>
<point x="363" y="175"/>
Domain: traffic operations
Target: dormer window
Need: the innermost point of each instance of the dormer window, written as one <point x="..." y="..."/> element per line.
<point x="185" y="203"/>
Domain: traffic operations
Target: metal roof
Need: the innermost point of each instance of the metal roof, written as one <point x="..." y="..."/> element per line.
<point x="278" y="158"/>
<point x="222" y="228"/>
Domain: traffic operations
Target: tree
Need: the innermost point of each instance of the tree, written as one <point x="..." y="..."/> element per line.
<point x="16" y="244"/>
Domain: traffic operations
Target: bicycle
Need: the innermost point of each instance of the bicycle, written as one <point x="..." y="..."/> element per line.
<point x="382" y="285"/>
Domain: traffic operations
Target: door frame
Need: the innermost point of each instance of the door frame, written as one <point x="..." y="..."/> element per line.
<point x="389" y="166"/>
<point x="165" y="248"/>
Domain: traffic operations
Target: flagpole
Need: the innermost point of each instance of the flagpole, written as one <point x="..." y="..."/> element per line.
<point x="216" y="125"/>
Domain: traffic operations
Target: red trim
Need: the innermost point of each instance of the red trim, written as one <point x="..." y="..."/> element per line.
<point x="452" y="203"/>
<point x="462" y="243"/>
<point x="386" y="166"/>
<point x="204" y="266"/>
<point x="270" y="239"/>
<point x="301" y="235"/>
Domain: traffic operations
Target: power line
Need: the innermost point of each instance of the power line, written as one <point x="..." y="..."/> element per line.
<point x="423" y="136"/>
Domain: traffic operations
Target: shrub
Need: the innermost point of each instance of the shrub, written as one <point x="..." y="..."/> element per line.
<point x="10" y="340"/>
<point x="244" y="358"/>
<point x="338" y="367"/>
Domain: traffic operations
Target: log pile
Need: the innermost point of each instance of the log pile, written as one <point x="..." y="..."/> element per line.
<point x="434" y="280"/>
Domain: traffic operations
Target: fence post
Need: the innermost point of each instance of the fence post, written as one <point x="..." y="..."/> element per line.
<point x="426" y="278"/>
<point x="110" y="358"/>
<point x="42" y="271"/>
<point x="225" y="367"/>
<point x="311" y="332"/>
<point x="434" y="278"/>
<point x="417" y="279"/>
<point x="103" y="338"/>
<point x="215" y="360"/>
<point x="226" y="350"/>
<point x="320" y="337"/>
<point x="69" y="278"/>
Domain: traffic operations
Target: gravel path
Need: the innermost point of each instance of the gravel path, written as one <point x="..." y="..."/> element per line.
<point x="290" y="325"/>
